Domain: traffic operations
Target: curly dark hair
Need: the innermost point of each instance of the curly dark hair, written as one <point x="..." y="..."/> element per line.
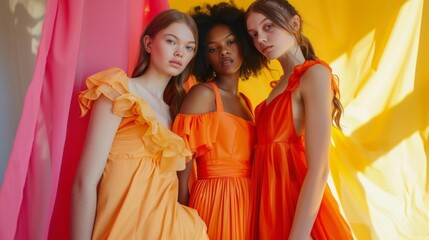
<point x="225" y="13"/>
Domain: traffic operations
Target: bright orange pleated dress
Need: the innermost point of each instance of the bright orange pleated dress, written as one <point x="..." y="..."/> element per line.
<point x="223" y="146"/>
<point x="279" y="169"/>
<point x="137" y="193"/>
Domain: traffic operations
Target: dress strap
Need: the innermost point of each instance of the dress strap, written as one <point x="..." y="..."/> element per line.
<point x="248" y="102"/>
<point x="219" y="104"/>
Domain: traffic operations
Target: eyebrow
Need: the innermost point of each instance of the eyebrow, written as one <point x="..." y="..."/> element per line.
<point x="263" y="20"/>
<point x="175" y="37"/>
<point x="230" y="34"/>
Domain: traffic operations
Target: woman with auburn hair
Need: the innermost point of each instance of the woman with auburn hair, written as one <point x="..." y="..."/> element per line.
<point x="126" y="186"/>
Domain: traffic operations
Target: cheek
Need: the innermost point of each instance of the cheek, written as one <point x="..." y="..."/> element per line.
<point x="240" y="59"/>
<point x="238" y="54"/>
<point x="235" y="48"/>
<point x="256" y="44"/>
<point x="156" y="54"/>
<point x="211" y="57"/>
<point x="160" y="50"/>
<point x="255" y="41"/>
<point x="188" y="58"/>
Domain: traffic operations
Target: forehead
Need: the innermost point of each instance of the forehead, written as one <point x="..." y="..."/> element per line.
<point x="254" y="19"/>
<point x="218" y="33"/>
<point x="179" y="30"/>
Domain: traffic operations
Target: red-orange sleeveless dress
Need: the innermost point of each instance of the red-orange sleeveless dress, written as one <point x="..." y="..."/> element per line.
<point x="279" y="169"/>
<point x="223" y="145"/>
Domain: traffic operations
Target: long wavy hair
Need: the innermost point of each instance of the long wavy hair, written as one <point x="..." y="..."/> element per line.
<point x="280" y="12"/>
<point x="174" y="92"/>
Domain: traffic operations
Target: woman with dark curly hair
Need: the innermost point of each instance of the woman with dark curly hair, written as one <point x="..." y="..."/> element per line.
<point x="216" y="122"/>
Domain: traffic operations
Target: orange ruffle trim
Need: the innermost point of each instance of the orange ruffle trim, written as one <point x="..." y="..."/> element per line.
<point x="113" y="83"/>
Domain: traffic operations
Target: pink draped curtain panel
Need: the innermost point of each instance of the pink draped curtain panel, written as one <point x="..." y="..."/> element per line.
<point x="79" y="38"/>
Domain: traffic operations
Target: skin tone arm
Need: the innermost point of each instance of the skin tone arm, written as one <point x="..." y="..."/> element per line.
<point x="316" y="94"/>
<point x="101" y="132"/>
<point x="183" y="177"/>
<point x="199" y="100"/>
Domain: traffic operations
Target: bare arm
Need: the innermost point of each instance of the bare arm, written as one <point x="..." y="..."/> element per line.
<point x="101" y="132"/>
<point x="183" y="183"/>
<point x="316" y="95"/>
<point x="200" y="99"/>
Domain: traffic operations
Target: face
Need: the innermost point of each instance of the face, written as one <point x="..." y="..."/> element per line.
<point x="269" y="38"/>
<point x="172" y="49"/>
<point x="223" y="51"/>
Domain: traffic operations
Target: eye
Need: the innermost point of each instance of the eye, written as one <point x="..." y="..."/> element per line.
<point x="211" y="49"/>
<point x="190" y="48"/>
<point x="229" y="42"/>
<point x="268" y="26"/>
<point x="252" y="34"/>
<point x="171" y="42"/>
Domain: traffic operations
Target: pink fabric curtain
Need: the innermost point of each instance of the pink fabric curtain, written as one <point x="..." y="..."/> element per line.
<point x="79" y="38"/>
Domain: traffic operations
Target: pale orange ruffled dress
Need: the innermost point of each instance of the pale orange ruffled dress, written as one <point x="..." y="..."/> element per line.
<point x="223" y="146"/>
<point x="279" y="170"/>
<point x="137" y="193"/>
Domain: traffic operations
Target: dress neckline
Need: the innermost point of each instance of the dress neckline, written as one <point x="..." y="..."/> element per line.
<point x="219" y="103"/>
<point x="296" y="69"/>
<point x="143" y="101"/>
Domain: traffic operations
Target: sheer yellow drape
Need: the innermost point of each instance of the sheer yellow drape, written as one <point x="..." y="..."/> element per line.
<point x="379" y="164"/>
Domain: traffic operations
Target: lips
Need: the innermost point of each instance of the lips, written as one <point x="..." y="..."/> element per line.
<point x="175" y="64"/>
<point x="266" y="49"/>
<point x="226" y="61"/>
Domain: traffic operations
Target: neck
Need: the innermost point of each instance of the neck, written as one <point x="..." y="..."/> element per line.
<point x="228" y="83"/>
<point x="290" y="59"/>
<point x="154" y="81"/>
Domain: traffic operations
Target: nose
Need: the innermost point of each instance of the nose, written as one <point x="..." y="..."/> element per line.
<point x="225" y="51"/>
<point x="178" y="53"/>
<point x="262" y="39"/>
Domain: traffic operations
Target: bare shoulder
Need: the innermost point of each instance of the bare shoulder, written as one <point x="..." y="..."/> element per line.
<point x="200" y="99"/>
<point x="316" y="76"/>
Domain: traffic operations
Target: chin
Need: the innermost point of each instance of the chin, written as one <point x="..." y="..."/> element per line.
<point x="272" y="56"/>
<point x="175" y="72"/>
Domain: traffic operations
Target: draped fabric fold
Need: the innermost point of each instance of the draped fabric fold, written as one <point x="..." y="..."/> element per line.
<point x="379" y="165"/>
<point x="29" y="187"/>
<point x="79" y="38"/>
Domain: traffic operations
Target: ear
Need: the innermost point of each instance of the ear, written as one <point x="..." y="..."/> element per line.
<point x="147" y="43"/>
<point x="295" y="22"/>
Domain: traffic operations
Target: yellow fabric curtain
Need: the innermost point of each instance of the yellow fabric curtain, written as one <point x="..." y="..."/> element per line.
<point x="379" y="164"/>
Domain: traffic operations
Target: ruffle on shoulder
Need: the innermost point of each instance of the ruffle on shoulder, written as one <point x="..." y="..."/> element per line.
<point x="157" y="138"/>
<point x="301" y="69"/>
<point x="199" y="131"/>
<point x="111" y="83"/>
